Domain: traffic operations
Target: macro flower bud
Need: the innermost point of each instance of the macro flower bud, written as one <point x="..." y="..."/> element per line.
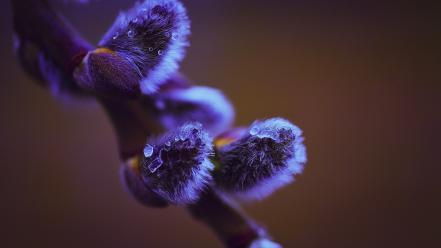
<point x="176" y="165"/>
<point x="106" y="73"/>
<point x="264" y="159"/>
<point x="196" y="103"/>
<point x="152" y="37"/>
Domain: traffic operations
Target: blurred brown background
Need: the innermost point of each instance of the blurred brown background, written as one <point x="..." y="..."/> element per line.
<point x="361" y="78"/>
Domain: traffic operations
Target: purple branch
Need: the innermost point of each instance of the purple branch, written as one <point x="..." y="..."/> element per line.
<point x="231" y="225"/>
<point x="36" y="22"/>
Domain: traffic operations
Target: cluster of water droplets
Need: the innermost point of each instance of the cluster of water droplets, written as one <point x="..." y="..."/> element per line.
<point x="264" y="132"/>
<point x="132" y="33"/>
<point x="271" y="132"/>
<point x="157" y="162"/>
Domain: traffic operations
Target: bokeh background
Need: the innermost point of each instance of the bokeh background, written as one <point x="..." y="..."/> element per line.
<point x="362" y="78"/>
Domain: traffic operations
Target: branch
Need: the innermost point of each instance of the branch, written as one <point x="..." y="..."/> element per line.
<point x="36" y="22"/>
<point x="230" y="224"/>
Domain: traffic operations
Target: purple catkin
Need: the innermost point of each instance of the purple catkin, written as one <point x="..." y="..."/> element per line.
<point x="105" y="73"/>
<point x="152" y="36"/>
<point x="196" y="103"/>
<point x="264" y="159"/>
<point x="140" y="52"/>
<point x="176" y="165"/>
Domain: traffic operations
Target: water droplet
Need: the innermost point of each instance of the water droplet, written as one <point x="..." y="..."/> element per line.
<point x="176" y="138"/>
<point x="155" y="164"/>
<point x="131" y="33"/>
<point x="150" y="49"/>
<point x="135" y="20"/>
<point x="115" y="36"/>
<point x="168" y="143"/>
<point x="148" y="150"/>
<point x="175" y="36"/>
<point x="144" y="10"/>
<point x="254" y="130"/>
<point x="160" y="52"/>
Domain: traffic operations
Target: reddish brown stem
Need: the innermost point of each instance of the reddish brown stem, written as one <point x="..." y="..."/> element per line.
<point x="131" y="124"/>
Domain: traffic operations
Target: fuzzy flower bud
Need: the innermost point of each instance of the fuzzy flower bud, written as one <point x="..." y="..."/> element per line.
<point x="176" y="165"/>
<point x="152" y="37"/>
<point x="197" y="103"/>
<point x="106" y="73"/>
<point x="264" y="159"/>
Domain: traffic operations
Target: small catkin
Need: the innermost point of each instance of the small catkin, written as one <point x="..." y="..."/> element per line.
<point x="176" y="165"/>
<point x="152" y="36"/>
<point x="264" y="159"/>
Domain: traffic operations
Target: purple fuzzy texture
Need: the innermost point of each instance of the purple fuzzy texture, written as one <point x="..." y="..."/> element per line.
<point x="197" y="103"/>
<point x="107" y="74"/>
<point x="264" y="159"/>
<point x="152" y="36"/>
<point x="176" y="165"/>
